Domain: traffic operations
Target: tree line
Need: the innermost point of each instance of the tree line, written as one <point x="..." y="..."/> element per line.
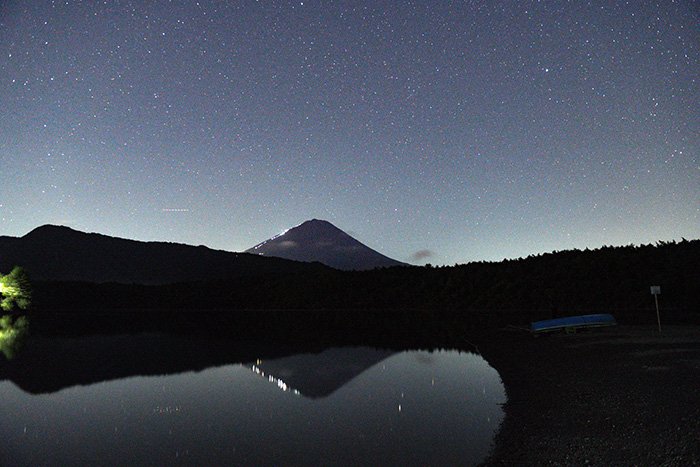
<point x="606" y="280"/>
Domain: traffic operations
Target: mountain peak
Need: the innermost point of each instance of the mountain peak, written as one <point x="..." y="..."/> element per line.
<point x="50" y="230"/>
<point x="319" y="240"/>
<point x="316" y="223"/>
<point x="316" y="227"/>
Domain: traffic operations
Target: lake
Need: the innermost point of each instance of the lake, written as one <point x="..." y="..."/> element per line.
<point x="153" y="399"/>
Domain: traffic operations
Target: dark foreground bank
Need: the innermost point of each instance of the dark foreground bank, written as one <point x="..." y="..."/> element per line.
<point x="616" y="396"/>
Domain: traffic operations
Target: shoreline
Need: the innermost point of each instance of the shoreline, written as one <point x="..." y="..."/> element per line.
<point x="611" y="396"/>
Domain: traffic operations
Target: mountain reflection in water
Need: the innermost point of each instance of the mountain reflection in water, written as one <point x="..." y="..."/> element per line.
<point x="319" y="375"/>
<point x="350" y="405"/>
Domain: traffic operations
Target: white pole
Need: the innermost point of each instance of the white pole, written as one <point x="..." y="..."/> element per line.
<point x="658" y="318"/>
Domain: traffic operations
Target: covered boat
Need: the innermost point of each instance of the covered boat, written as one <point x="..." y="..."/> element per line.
<point x="573" y="322"/>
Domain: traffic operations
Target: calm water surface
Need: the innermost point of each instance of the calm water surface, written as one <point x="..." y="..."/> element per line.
<point x="339" y="406"/>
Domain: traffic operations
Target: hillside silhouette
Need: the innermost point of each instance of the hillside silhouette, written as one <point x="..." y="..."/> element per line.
<point x="55" y="253"/>
<point x="607" y="280"/>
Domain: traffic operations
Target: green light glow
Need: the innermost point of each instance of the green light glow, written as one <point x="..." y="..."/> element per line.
<point x="15" y="290"/>
<point x="12" y="335"/>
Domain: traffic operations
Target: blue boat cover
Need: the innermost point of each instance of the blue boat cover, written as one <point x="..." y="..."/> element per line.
<point x="602" y="319"/>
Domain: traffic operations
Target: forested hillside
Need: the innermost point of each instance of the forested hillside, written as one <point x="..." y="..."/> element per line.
<point x="607" y="280"/>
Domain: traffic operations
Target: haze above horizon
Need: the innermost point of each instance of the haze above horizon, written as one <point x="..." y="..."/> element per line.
<point x="438" y="132"/>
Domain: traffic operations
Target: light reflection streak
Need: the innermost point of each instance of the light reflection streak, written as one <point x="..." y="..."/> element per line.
<point x="166" y="410"/>
<point x="280" y="384"/>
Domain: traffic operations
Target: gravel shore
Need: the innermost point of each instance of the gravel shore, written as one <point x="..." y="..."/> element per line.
<point x="625" y="395"/>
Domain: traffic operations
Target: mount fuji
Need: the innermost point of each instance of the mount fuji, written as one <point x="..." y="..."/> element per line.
<point x="319" y="240"/>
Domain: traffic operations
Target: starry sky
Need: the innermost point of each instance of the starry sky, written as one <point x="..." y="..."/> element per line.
<point x="432" y="131"/>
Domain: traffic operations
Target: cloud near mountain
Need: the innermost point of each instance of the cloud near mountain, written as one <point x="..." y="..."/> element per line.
<point x="287" y="244"/>
<point x="422" y="254"/>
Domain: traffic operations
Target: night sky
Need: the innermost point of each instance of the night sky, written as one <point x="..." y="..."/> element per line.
<point x="432" y="131"/>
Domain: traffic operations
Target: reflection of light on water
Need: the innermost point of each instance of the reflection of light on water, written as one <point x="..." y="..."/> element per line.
<point x="394" y="412"/>
<point x="12" y="335"/>
<point x="166" y="410"/>
<point x="280" y="384"/>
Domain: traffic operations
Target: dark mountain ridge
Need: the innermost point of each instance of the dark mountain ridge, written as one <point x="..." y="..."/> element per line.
<point x="56" y="253"/>
<point x="319" y="240"/>
<point x="64" y="266"/>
